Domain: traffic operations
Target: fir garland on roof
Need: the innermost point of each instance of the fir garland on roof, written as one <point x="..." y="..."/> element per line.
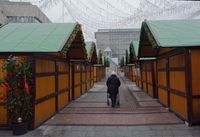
<point x="72" y="38"/>
<point x="149" y="34"/>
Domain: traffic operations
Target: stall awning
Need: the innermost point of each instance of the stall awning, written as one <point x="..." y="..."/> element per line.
<point x="168" y="34"/>
<point x="36" y="37"/>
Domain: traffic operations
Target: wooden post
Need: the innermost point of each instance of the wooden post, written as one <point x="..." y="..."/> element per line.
<point x="86" y="77"/>
<point x="156" y="86"/>
<point x="153" y="79"/>
<point x="73" y="81"/>
<point x="90" y="71"/>
<point x="188" y="86"/>
<point x="81" y="82"/>
<point x="69" y="94"/>
<point x="168" y="81"/>
<point x="56" y="84"/>
<point x="146" y="77"/>
<point x="32" y="126"/>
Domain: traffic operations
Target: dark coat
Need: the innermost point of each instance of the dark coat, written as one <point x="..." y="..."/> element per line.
<point x="113" y="84"/>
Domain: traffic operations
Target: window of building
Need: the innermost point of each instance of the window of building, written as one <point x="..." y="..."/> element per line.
<point x="22" y="19"/>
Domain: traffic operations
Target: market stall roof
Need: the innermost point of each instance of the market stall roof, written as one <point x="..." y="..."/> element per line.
<point x="88" y="46"/>
<point x="91" y="51"/>
<point x="168" y="34"/>
<point x="37" y="37"/>
<point x="136" y="48"/>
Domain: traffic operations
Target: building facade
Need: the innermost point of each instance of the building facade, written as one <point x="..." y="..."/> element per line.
<point x="20" y="12"/>
<point x="118" y="40"/>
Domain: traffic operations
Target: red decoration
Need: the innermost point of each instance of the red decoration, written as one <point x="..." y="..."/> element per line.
<point x="26" y="86"/>
<point x="6" y="87"/>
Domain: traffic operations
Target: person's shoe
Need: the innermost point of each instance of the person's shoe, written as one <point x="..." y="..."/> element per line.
<point x="113" y="106"/>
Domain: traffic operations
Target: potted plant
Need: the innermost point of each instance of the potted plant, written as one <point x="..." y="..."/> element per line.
<point x="18" y="98"/>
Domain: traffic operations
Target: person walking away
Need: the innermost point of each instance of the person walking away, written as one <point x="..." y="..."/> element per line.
<point x="113" y="83"/>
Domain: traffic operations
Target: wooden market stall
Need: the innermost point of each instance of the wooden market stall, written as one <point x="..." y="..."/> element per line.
<point x="130" y="72"/>
<point x="175" y="44"/>
<point x="130" y="67"/>
<point x="138" y="78"/>
<point x="92" y="59"/>
<point x="99" y="68"/>
<point x="49" y="48"/>
<point x="142" y="70"/>
<point x="99" y="72"/>
<point x="148" y="73"/>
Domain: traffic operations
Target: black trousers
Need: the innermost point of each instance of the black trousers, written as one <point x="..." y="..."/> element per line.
<point x="113" y="99"/>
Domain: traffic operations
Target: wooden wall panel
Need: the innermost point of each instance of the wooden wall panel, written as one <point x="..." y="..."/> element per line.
<point x="144" y="85"/>
<point x="71" y="88"/>
<point x="42" y="88"/>
<point x="134" y="73"/>
<point x="150" y="90"/>
<point x="77" y="91"/>
<point x="84" y="82"/>
<point x="177" y="61"/>
<point x="84" y="88"/>
<point x="62" y="66"/>
<point x="162" y="96"/>
<point x="63" y="100"/>
<point x="164" y="50"/>
<point x="44" y="110"/>
<point x="88" y="77"/>
<point x="95" y="74"/>
<point x="177" y="80"/>
<point x="196" y="108"/>
<point x="195" y="68"/>
<point x="195" y="80"/>
<point x="77" y="78"/>
<point x="161" y="63"/>
<point x="149" y="77"/>
<point x="92" y="75"/>
<point x="143" y="75"/>
<point x="178" y="104"/>
<point x="43" y="65"/>
<point x="162" y="78"/>
<point x="140" y="83"/>
<point x="62" y="81"/>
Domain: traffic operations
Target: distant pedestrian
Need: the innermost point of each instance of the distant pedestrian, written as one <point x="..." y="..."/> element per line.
<point x="113" y="83"/>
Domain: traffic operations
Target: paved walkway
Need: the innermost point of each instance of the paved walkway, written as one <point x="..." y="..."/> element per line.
<point x="138" y="116"/>
<point x="136" y="108"/>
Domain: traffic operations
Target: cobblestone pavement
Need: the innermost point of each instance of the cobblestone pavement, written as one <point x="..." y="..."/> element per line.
<point x="89" y="116"/>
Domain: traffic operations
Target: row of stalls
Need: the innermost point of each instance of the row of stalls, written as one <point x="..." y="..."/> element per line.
<point x="130" y="67"/>
<point x="167" y="65"/>
<point x="62" y="64"/>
